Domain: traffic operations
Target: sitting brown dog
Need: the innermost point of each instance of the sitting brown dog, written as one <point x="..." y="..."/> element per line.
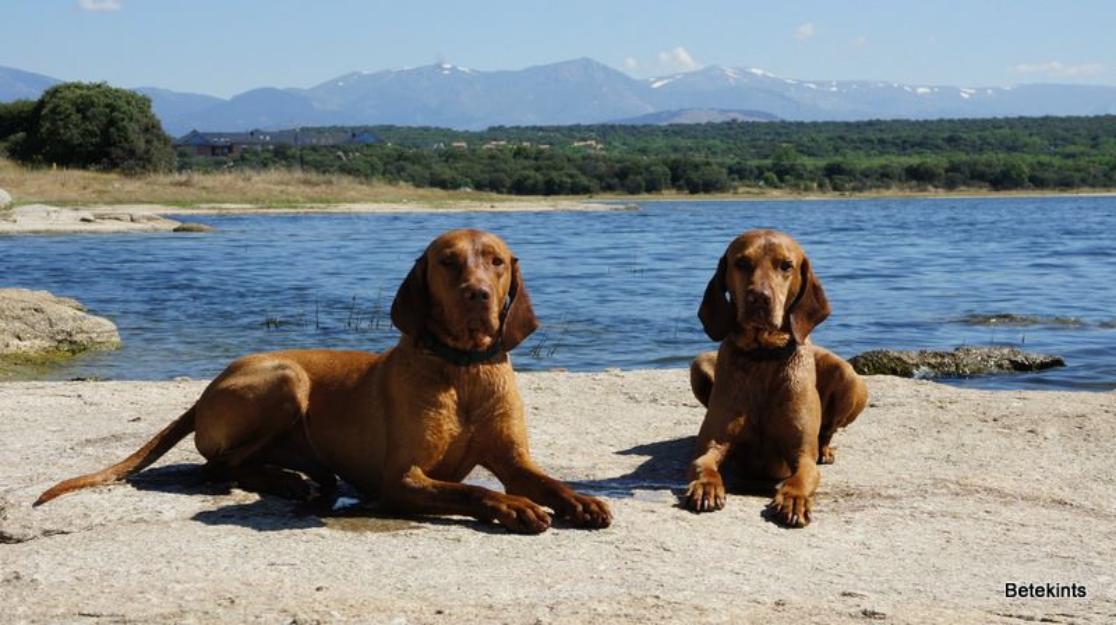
<point x="774" y="400"/>
<point x="404" y="427"/>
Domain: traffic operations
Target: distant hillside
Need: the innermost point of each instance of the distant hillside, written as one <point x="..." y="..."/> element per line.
<point x="170" y="105"/>
<point x="698" y="116"/>
<point x="583" y="91"/>
<point x="20" y="85"/>
<point x="997" y="154"/>
<point x="1082" y="138"/>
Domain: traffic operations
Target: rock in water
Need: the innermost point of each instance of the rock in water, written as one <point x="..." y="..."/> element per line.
<point x="38" y="327"/>
<point x="193" y="227"/>
<point x="1014" y="320"/>
<point x="961" y="362"/>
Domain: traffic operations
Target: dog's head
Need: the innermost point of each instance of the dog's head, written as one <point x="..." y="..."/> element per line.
<point x="467" y="291"/>
<point x="764" y="284"/>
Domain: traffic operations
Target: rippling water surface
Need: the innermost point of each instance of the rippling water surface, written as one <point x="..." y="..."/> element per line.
<point x="613" y="289"/>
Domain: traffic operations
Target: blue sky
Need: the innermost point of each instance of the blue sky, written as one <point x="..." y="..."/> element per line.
<point x="223" y="47"/>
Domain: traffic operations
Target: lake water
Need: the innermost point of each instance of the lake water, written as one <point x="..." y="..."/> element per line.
<point x="613" y="289"/>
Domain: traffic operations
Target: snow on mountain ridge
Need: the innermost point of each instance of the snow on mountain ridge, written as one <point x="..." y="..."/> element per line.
<point x="586" y="91"/>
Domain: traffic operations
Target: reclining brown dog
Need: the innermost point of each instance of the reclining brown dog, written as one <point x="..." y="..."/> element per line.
<point x="404" y="427"/>
<point x="774" y="399"/>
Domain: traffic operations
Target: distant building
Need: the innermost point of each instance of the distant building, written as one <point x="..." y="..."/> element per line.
<point x="232" y="143"/>
<point x="592" y="144"/>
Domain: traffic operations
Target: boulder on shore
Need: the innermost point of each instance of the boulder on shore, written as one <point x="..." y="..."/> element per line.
<point x="37" y="327"/>
<point x="961" y="362"/>
<point x="5" y="199"/>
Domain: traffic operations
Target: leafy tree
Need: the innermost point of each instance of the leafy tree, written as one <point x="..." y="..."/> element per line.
<point x="96" y="126"/>
<point x="15" y="117"/>
<point x="834" y="169"/>
<point x="1012" y="175"/>
<point x="787" y="163"/>
<point x="656" y="178"/>
<point x="528" y="183"/>
<point x="926" y="172"/>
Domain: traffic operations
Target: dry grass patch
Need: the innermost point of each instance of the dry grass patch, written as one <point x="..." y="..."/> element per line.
<point x="264" y="188"/>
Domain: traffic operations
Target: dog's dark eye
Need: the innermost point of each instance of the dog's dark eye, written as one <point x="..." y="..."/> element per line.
<point x="448" y="261"/>
<point x="497" y="261"/>
<point x="743" y="263"/>
<point x="786" y="265"/>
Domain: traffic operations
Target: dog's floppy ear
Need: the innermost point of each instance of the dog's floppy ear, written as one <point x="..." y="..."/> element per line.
<point x="810" y="306"/>
<point x="411" y="307"/>
<point x="520" y="320"/>
<point x="716" y="312"/>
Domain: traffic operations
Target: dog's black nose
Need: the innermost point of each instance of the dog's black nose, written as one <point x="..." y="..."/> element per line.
<point x="477" y="294"/>
<point x="757" y="298"/>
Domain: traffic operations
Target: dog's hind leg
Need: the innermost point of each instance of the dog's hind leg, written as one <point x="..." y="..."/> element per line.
<point x="246" y="418"/>
<point x="843" y="396"/>
<point x="701" y="376"/>
<point x="280" y="469"/>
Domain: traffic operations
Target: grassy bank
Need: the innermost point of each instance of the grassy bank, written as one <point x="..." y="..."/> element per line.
<point x="262" y="188"/>
<point x="280" y="188"/>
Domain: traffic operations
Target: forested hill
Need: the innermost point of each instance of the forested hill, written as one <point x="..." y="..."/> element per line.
<point x="1067" y="136"/>
<point x="815" y="157"/>
<point x="996" y="154"/>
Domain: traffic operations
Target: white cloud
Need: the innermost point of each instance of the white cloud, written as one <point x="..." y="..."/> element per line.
<point x="100" y="5"/>
<point x="860" y="42"/>
<point x="1059" y="69"/>
<point x="805" y="31"/>
<point x="678" y="59"/>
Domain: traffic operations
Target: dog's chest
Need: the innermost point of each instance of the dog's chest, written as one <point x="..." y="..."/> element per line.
<point x="762" y="391"/>
<point x="466" y="426"/>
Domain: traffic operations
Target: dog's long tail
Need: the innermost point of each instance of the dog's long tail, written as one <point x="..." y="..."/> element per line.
<point x="143" y="457"/>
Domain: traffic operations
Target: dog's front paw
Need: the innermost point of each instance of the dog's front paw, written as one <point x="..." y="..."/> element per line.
<point x="585" y="511"/>
<point x="706" y="495"/>
<point x="791" y="506"/>
<point x="521" y="515"/>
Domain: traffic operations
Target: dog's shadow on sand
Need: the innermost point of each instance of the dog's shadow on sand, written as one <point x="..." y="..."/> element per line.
<point x="665" y="470"/>
<point x="269" y="513"/>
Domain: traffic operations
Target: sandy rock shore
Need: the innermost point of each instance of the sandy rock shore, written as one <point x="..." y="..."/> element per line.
<point x="45" y="219"/>
<point x="939" y="497"/>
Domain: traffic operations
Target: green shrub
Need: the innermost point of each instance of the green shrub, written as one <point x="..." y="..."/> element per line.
<point x="93" y="125"/>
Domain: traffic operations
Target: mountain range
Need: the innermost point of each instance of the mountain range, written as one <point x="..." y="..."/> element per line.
<point x="583" y="91"/>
